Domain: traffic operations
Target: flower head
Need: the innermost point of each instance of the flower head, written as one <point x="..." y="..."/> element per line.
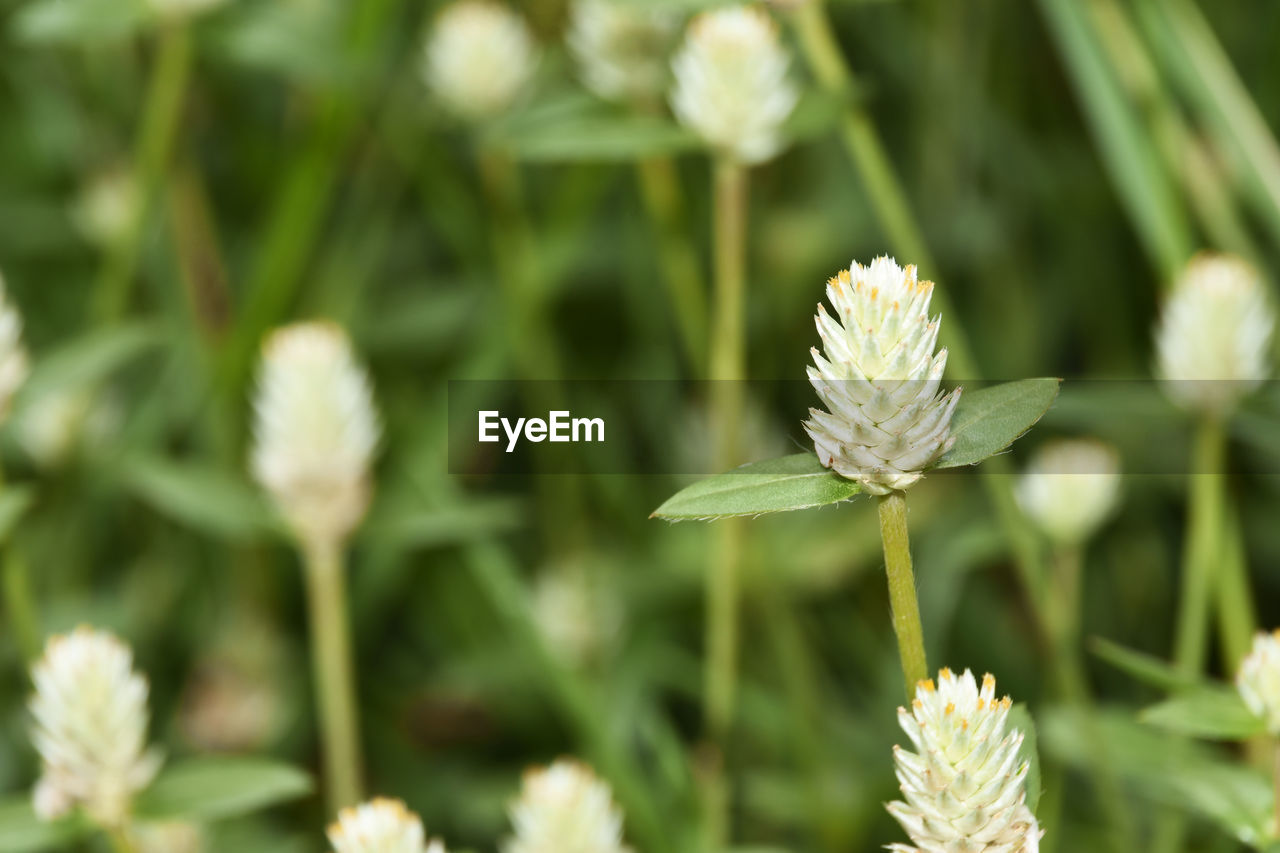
<point x="1259" y="679"/>
<point x="565" y="808"/>
<point x="964" y="785"/>
<point x="621" y="47"/>
<point x="731" y="83"/>
<point x="380" y="826"/>
<point x="886" y="420"/>
<point x="14" y="365"/>
<point x="579" y="619"/>
<point x="315" y="431"/>
<point x="90" y="727"/>
<point x="106" y="206"/>
<point x="1070" y="488"/>
<point x="480" y="56"/>
<point x="1213" y="340"/>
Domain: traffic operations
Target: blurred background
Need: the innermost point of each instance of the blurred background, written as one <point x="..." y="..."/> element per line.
<point x="173" y="190"/>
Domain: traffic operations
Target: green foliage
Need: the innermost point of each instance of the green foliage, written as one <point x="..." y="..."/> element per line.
<point x="207" y="789"/>
<point x="1217" y="713"/>
<point x="22" y="832"/>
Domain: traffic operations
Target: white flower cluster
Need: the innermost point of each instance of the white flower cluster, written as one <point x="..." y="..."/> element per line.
<point x="380" y="826"/>
<point x="886" y="421"/>
<point x="565" y="808"/>
<point x="90" y="728"/>
<point x="479" y="58"/>
<point x="1070" y="488"/>
<point x="964" y="786"/>
<point x="315" y="431"/>
<point x="1259" y="679"/>
<point x="731" y="85"/>
<point x="621" y="47"/>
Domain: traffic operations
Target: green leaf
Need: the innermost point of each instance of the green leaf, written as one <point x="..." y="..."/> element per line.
<point x="464" y="521"/>
<point x="79" y="21"/>
<point x="22" y="832"/>
<point x="218" y="788"/>
<point x="199" y="496"/>
<point x="1020" y="719"/>
<point x="778" y="485"/>
<point x="88" y="359"/>
<point x="988" y="420"/>
<point x="1216" y="713"/>
<point x="1145" y="668"/>
<point x="601" y="138"/>
<point x="14" y="502"/>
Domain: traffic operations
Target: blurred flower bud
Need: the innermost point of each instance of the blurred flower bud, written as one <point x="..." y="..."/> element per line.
<point x="106" y="206"/>
<point x="479" y="58"/>
<point x="52" y="426"/>
<point x="1214" y="337"/>
<point x="167" y="837"/>
<point x="90" y="727"/>
<point x="965" y="785"/>
<point x="1070" y="488"/>
<point x="1259" y="679"/>
<point x="622" y="48"/>
<point x="565" y="808"/>
<point x="380" y="826"/>
<point x="14" y="365"/>
<point x="579" y="618"/>
<point x="315" y="431"/>
<point x="731" y="84"/>
<point x="886" y="420"/>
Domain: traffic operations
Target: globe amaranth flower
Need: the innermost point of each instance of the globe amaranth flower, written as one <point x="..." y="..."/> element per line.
<point x="380" y="826"/>
<point x="565" y="808"/>
<point x="731" y="85"/>
<point x="1259" y="679"/>
<point x="878" y="376"/>
<point x="315" y="431"/>
<point x="90" y="728"/>
<point x="1214" y="337"/>
<point x="964" y="786"/>
<point x="14" y="364"/>
<point x="479" y="57"/>
<point x="621" y="47"/>
<point x="1070" y="488"/>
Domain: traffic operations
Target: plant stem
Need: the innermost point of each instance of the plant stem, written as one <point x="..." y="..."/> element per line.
<point x="20" y="605"/>
<point x="1275" y="781"/>
<point x="165" y="95"/>
<point x="903" y="604"/>
<point x="120" y="841"/>
<point x="332" y="665"/>
<point x="1237" y="615"/>
<point x="1203" y="546"/>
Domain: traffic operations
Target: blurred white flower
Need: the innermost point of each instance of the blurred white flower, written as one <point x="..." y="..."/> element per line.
<point x="621" y="47"/>
<point x="565" y="808"/>
<point x="53" y="425"/>
<point x="731" y="85"/>
<point x="315" y="431"/>
<point x="380" y="826"/>
<point x="965" y="785"/>
<point x="168" y="837"/>
<point x="1214" y="337"/>
<point x="1070" y="488"/>
<point x="579" y="617"/>
<point x="479" y="58"/>
<point x="106" y="206"/>
<point x="90" y="727"/>
<point x="886" y="420"/>
<point x="14" y="365"/>
<point x="1259" y="679"/>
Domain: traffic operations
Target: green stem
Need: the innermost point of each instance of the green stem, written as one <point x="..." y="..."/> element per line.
<point x="163" y="112"/>
<point x="20" y="605"/>
<point x="903" y="605"/>
<point x="1237" y="614"/>
<point x="1203" y="546"/>
<point x="120" y="841"/>
<point x="332" y="665"/>
<point x="1275" y="781"/>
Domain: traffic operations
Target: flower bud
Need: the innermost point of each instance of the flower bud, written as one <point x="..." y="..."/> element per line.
<point x="315" y="431"/>
<point x="579" y="619"/>
<point x="1214" y="338"/>
<point x="731" y="85"/>
<point x="964" y="785"/>
<point x="1259" y="679"/>
<point x="565" y="808"/>
<point x="105" y="209"/>
<point x="14" y="365"/>
<point x="479" y="58"/>
<point x="1070" y="488"/>
<point x="90" y="727"/>
<point x="380" y="826"/>
<point x="886" y="420"/>
<point x="621" y="47"/>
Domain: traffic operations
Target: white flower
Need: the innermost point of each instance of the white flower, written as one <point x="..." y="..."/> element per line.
<point x="565" y="808"/>
<point x="1213" y="341"/>
<point x="168" y="837"/>
<point x="579" y="619"/>
<point x="1070" y="488"/>
<point x="380" y="826"/>
<point x="14" y="365"/>
<point x="964" y="784"/>
<point x="90" y="727"/>
<point x="315" y="431"/>
<point x="479" y="58"/>
<point x="1259" y="679"/>
<point x="886" y="421"/>
<point x="621" y="47"/>
<point x="731" y="83"/>
<point x="106" y="206"/>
